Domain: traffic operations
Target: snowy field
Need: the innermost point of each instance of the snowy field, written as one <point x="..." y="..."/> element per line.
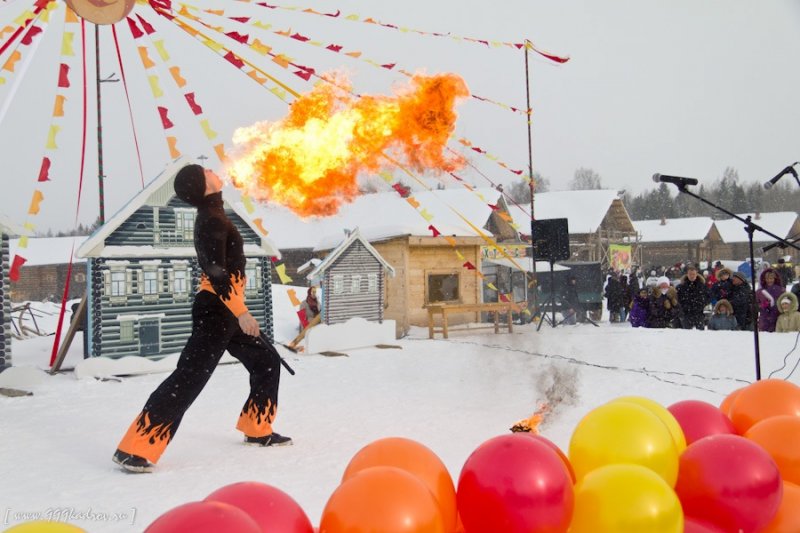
<point x="450" y="395"/>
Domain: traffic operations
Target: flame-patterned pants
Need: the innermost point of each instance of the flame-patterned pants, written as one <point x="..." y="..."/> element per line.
<point x="214" y="330"/>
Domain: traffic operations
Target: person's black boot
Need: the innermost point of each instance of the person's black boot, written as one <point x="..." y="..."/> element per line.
<point x="132" y="463"/>
<point x="272" y="439"/>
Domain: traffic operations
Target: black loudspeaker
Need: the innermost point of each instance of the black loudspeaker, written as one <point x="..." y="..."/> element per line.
<point x="550" y="239"/>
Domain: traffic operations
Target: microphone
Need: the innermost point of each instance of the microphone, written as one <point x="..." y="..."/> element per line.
<point x="676" y="180"/>
<point x="788" y="170"/>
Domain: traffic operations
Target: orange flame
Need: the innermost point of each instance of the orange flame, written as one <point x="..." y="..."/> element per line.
<point x="310" y="160"/>
<point x="531" y="424"/>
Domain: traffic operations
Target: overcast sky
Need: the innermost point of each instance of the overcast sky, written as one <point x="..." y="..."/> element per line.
<point x="684" y="87"/>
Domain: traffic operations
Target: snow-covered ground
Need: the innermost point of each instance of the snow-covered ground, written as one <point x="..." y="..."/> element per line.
<point x="450" y="395"/>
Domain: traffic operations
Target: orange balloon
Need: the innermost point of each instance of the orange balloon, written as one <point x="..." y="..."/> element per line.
<point x="780" y="436"/>
<point x="788" y="518"/>
<point x="727" y="403"/>
<point x="382" y="498"/>
<point x="416" y="459"/>
<point x="763" y="399"/>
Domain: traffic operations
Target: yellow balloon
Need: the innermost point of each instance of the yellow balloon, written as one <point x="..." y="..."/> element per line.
<point x="622" y="498"/>
<point x="661" y="412"/>
<point x="623" y="432"/>
<point x="44" y="526"/>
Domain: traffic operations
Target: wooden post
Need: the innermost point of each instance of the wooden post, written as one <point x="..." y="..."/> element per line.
<point x="77" y="319"/>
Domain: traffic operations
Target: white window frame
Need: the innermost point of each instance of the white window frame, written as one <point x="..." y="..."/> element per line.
<point x="182" y="288"/>
<point x="150" y="282"/>
<point x="119" y="286"/>
<point x="372" y="282"/>
<point x="338" y="283"/>
<point x="251" y="272"/>
<point x="184" y="223"/>
<point x="126" y="331"/>
<point x="355" y="283"/>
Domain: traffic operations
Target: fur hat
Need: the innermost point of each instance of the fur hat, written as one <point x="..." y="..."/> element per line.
<point x="190" y="184"/>
<point x="662" y="280"/>
<point x="739" y="274"/>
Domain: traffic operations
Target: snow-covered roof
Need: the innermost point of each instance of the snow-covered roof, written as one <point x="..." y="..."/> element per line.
<point x="780" y="223"/>
<point x="382" y="216"/>
<point x="584" y="210"/>
<point x="46" y="250"/>
<point x="690" y="229"/>
<point x="155" y="193"/>
<point x="331" y="258"/>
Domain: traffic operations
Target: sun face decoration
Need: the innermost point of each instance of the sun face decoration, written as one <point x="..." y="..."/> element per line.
<point x="102" y="11"/>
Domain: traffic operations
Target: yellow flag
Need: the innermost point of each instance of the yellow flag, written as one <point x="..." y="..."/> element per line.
<point x="260" y="47"/>
<point x="172" y="142"/>
<point x="20" y="20"/>
<point x="2" y="81"/>
<point x="213" y="45"/>
<point x="176" y="75"/>
<point x="154" y="86"/>
<point x="66" y="44"/>
<point x="491" y="286"/>
<point x="35" y="201"/>
<point x="387" y="176"/>
<point x="281" y="270"/>
<point x="58" y="108"/>
<point x="262" y="25"/>
<point x="146" y="61"/>
<point x="353" y="17"/>
<point x="162" y="51"/>
<point x="460" y="255"/>
<point x="23" y="242"/>
<point x="426" y="215"/>
<point x="248" y="204"/>
<point x="210" y="134"/>
<point x="51" y="137"/>
<point x="280" y="93"/>
<point x="29" y="226"/>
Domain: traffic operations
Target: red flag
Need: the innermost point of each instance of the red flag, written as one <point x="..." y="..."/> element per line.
<point x="389" y="66"/>
<point x="301" y="314"/>
<point x="135" y="31"/>
<point x="148" y="29"/>
<point x="435" y="231"/>
<point x="298" y="37"/>
<point x="238" y="63"/>
<point x="243" y="20"/>
<point x="196" y="109"/>
<point x="302" y="74"/>
<point x="33" y="32"/>
<point x="44" y="171"/>
<point x="238" y="37"/>
<point x="63" y="76"/>
<point x="334" y="48"/>
<point x="469" y="266"/>
<point x="15" y="266"/>
<point x="165" y="121"/>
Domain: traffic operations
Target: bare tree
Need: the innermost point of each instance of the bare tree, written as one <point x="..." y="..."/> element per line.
<point x="585" y="179"/>
<point x="520" y="190"/>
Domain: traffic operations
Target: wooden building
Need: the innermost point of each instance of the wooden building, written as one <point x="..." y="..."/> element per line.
<point x="677" y="240"/>
<point x="44" y="274"/>
<point x="353" y="281"/>
<point x="784" y="224"/>
<point x="143" y="273"/>
<point x="597" y="219"/>
<point x="5" y="300"/>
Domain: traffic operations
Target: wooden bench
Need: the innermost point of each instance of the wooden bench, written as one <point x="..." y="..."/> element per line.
<point x="450" y="309"/>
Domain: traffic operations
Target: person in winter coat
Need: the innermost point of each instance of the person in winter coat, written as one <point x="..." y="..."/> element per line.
<point x="221" y="322"/>
<point x="640" y="308"/>
<point x="722" y="288"/>
<point x="613" y="294"/>
<point x="627" y="298"/>
<point x="789" y="319"/>
<point x="665" y="310"/>
<point x="770" y="288"/>
<point x="309" y="317"/>
<point x="573" y="308"/>
<point x="722" y="319"/>
<point x="740" y="298"/>
<point x="693" y="297"/>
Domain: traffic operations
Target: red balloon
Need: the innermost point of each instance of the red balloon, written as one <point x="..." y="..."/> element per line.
<point x="562" y="455"/>
<point x="730" y="482"/>
<point x="382" y="498"/>
<point x="763" y="399"/>
<point x="416" y="459"/>
<point x="515" y="484"/>
<point x="700" y="419"/>
<point x="271" y="508"/>
<point x="204" y="517"/>
<point x="690" y="525"/>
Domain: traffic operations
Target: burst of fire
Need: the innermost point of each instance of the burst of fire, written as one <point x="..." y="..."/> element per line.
<point x="531" y="424"/>
<point x="310" y="160"/>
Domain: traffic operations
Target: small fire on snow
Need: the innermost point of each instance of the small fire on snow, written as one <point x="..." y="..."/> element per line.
<point x="531" y="424"/>
<point x="310" y="160"/>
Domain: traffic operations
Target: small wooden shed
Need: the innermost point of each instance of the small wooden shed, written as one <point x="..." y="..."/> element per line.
<point x="353" y="281"/>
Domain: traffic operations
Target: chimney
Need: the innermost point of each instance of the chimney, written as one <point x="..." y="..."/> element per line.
<point x="758" y="216"/>
<point x="663" y="221"/>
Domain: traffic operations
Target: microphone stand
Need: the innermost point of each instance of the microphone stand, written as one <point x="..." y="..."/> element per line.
<point x="750" y="228"/>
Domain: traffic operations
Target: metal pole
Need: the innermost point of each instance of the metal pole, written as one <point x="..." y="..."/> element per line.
<point x="101" y="193"/>
<point x="753" y="302"/>
<point x="531" y="183"/>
